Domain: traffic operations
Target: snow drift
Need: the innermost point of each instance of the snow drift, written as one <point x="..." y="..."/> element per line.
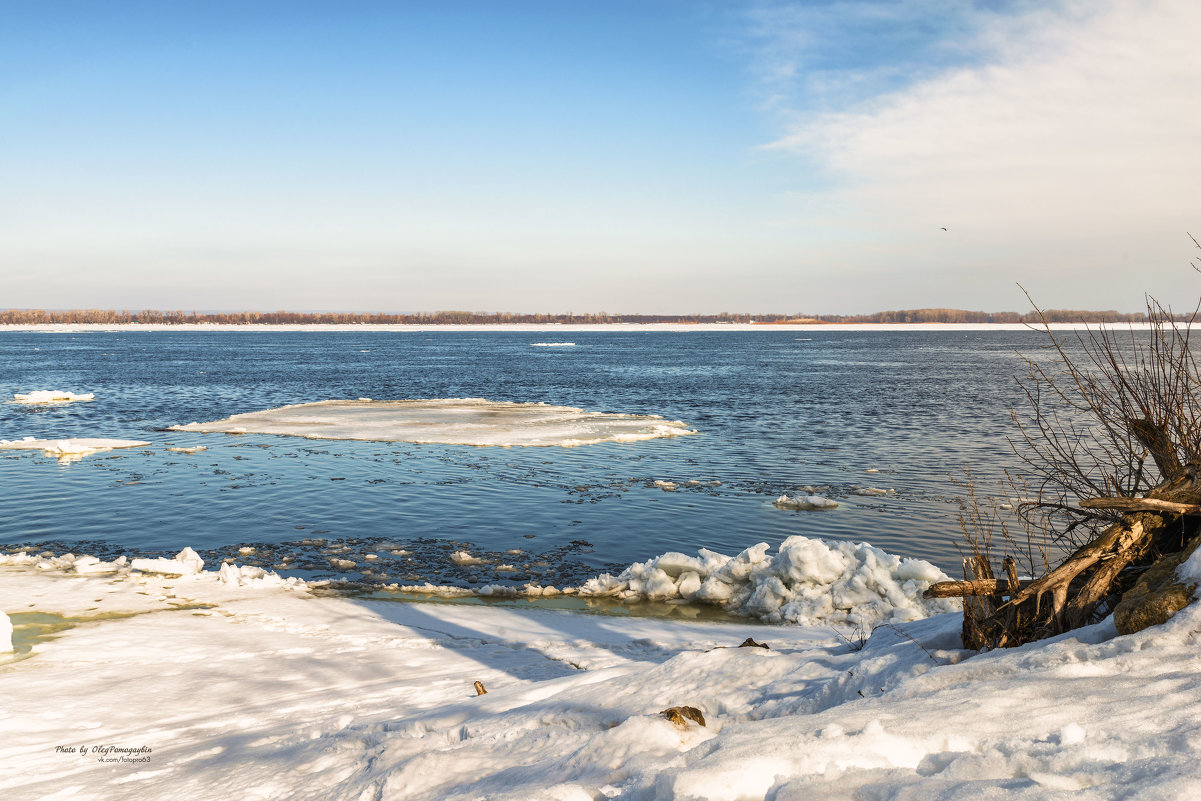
<point x="319" y="697"/>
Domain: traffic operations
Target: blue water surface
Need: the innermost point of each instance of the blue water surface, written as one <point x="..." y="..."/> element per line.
<point x="777" y="410"/>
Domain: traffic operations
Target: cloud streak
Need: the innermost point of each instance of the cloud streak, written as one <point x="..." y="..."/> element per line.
<point x="1071" y="149"/>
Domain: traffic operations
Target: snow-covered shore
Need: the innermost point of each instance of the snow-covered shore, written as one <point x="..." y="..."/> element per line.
<point x="238" y="684"/>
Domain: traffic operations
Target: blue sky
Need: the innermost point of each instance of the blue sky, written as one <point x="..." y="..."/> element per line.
<point x="653" y="156"/>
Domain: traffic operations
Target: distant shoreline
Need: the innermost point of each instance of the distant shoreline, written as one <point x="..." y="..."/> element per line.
<point x="83" y="328"/>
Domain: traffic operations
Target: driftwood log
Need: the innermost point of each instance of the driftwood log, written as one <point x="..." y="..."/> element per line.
<point x="1005" y="612"/>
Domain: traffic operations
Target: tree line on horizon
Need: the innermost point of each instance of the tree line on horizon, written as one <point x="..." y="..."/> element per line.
<point x="157" y="317"/>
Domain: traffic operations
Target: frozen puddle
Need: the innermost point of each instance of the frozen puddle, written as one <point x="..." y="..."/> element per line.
<point x="447" y="421"/>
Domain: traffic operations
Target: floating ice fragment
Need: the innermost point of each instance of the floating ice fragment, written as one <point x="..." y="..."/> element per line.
<point x="465" y="558"/>
<point x="186" y="563"/>
<point x="51" y="396"/>
<point x="805" y="502"/>
<point x="666" y="486"/>
<point x="450" y="421"/>
<point x="192" y="449"/>
<point x="67" y="448"/>
<point x="552" y="344"/>
<point x="6" y="634"/>
<point x="874" y="491"/>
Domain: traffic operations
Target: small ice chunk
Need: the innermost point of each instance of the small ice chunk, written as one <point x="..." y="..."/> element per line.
<point x="193" y="449"/>
<point x="805" y="502"/>
<point x="186" y="563"/>
<point x="6" y="634"/>
<point x="248" y="575"/>
<point x="874" y="491"/>
<point x="92" y="565"/>
<point x="666" y="486"/>
<point x="51" y="396"/>
<point x="1072" y="734"/>
<point x="465" y="558"/>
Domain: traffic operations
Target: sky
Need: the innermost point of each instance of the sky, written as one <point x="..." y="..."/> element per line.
<point x="628" y="156"/>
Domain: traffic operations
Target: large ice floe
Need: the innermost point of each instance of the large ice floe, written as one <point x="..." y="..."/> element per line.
<point x="448" y="421"/>
<point x="51" y="396"/>
<point x="807" y="582"/>
<point x="213" y="685"/>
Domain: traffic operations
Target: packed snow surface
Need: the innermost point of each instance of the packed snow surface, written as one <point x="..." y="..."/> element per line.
<point x="237" y="684"/>
<point x="51" y="396"/>
<point x="449" y="421"/>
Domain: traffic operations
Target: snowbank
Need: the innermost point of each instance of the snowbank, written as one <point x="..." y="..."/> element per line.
<point x="808" y="582"/>
<point x="449" y="421"/>
<point x="51" y="396"/>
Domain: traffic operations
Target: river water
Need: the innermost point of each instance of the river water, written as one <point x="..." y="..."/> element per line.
<point x="777" y="411"/>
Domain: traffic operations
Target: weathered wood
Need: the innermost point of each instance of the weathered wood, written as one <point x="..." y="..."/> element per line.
<point x="1142" y="505"/>
<point x="1132" y="543"/>
<point x="1159" y="444"/>
<point x="962" y="589"/>
<point x="1043" y="607"/>
<point x="978" y="609"/>
<point x="1011" y="570"/>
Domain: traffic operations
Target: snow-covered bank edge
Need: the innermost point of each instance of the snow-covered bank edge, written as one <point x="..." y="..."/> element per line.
<point x="242" y="691"/>
<point x="807" y="582"/>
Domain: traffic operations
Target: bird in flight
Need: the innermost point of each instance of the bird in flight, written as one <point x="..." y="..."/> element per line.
<point x="944" y="229"/>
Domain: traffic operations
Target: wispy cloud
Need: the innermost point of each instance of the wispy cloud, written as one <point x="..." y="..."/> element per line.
<point x="1066" y="138"/>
